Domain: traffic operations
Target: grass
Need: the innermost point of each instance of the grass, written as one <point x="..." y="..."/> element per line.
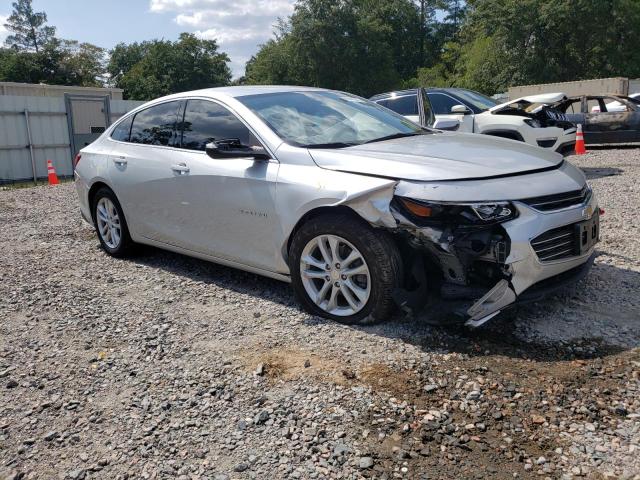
<point x="30" y="183"/>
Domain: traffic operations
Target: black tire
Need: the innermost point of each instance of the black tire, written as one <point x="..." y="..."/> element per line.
<point x="126" y="245"/>
<point x="379" y="251"/>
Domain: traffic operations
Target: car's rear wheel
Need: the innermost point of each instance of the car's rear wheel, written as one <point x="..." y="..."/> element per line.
<point x="343" y="269"/>
<point x="110" y="224"/>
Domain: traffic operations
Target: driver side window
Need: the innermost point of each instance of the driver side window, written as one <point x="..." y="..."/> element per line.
<point x="205" y="122"/>
<point x="442" y="103"/>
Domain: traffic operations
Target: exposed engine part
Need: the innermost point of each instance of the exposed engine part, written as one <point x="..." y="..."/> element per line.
<point x="546" y="115"/>
<point x="413" y="300"/>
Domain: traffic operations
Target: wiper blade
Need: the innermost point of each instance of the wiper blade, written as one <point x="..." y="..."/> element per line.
<point x="395" y="135"/>
<point x="330" y="145"/>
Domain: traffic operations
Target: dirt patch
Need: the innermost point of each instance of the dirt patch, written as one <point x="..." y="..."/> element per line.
<point x="290" y="364"/>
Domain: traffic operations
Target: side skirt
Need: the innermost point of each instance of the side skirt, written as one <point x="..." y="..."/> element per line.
<point x="214" y="259"/>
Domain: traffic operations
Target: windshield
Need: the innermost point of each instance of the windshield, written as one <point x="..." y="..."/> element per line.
<point x="327" y="119"/>
<point x="481" y="102"/>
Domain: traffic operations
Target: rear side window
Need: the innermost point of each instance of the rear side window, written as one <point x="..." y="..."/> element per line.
<point x="122" y="130"/>
<point x="206" y="121"/>
<point x="156" y="125"/>
<point x="405" y="105"/>
<point x="442" y="103"/>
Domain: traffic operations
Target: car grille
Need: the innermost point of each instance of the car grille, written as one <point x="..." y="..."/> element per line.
<point x="560" y="200"/>
<point x="558" y="243"/>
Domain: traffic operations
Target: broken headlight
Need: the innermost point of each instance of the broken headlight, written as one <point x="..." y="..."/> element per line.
<point x="457" y="213"/>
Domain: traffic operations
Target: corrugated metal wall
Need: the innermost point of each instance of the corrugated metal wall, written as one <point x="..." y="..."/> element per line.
<point x="49" y="135"/>
<point x="600" y="86"/>
<point x="43" y="90"/>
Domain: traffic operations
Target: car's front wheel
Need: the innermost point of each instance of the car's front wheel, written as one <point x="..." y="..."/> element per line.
<point x="110" y="224"/>
<point x="343" y="269"/>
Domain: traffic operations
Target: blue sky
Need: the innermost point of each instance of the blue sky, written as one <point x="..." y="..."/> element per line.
<point x="239" y="26"/>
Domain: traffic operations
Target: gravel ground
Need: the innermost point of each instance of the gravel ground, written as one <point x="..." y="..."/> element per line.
<point x="163" y="366"/>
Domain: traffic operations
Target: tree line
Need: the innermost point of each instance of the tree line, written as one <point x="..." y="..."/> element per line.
<point x="361" y="46"/>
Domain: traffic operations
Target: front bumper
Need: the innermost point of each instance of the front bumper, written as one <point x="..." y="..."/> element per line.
<point x="552" y="138"/>
<point x="530" y="277"/>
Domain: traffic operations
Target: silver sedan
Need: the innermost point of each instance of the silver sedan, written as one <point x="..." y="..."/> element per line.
<point x="362" y="210"/>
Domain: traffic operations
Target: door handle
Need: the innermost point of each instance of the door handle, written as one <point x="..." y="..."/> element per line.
<point x="180" y="168"/>
<point x="120" y="161"/>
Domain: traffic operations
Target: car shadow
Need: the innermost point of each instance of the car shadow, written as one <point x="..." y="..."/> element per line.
<point x="624" y="146"/>
<point x="570" y="313"/>
<point x="593" y="173"/>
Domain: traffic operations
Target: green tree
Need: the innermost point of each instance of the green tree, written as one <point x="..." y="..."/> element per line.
<point x="160" y="67"/>
<point x="58" y="62"/>
<point x="29" y="29"/>
<point x="362" y="46"/>
<point x="515" y="42"/>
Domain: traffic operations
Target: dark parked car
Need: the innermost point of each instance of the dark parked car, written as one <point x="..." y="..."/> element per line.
<point x="601" y="125"/>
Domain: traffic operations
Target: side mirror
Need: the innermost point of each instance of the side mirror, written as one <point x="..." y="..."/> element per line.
<point x="446" y="124"/>
<point x="460" y="109"/>
<point x="232" y="148"/>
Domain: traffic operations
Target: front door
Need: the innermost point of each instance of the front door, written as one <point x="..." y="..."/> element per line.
<point x="602" y="126"/>
<point x="223" y="207"/>
<point x="442" y="105"/>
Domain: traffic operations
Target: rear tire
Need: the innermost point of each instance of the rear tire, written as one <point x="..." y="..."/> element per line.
<point x="110" y="224"/>
<point x="345" y="270"/>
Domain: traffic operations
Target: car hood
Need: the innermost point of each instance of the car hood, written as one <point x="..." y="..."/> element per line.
<point x="542" y="98"/>
<point x="438" y="156"/>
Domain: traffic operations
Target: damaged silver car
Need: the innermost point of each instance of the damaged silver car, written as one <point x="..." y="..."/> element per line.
<point x="362" y="210"/>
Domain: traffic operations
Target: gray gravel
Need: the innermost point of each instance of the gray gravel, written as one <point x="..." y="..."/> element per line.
<point x="163" y="366"/>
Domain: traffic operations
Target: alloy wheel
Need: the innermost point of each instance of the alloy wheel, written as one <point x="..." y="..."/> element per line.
<point x="335" y="275"/>
<point x="108" y="220"/>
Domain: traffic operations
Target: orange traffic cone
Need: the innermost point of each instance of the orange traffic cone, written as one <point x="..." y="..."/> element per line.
<point x="53" y="178"/>
<point x="580" y="148"/>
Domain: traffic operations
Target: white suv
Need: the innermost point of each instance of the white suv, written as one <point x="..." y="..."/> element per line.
<point x="526" y="119"/>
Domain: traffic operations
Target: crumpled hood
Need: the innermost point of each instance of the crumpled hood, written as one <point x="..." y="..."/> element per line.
<point x="542" y="98"/>
<point x="438" y="156"/>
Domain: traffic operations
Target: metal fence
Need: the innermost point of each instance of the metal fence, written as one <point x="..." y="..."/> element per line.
<point x="36" y="129"/>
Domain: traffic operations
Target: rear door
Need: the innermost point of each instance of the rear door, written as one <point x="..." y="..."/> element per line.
<point x="141" y="169"/>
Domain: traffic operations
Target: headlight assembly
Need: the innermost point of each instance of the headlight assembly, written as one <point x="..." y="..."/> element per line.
<point x="457" y="213"/>
<point x="532" y="122"/>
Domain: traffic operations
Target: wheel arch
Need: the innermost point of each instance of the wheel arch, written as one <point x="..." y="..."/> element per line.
<point x="314" y="213"/>
<point x="505" y="133"/>
<point x="92" y="193"/>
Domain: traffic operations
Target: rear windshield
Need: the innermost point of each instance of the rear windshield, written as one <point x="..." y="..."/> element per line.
<point x="478" y="100"/>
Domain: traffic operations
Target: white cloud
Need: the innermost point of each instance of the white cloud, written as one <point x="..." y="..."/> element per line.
<point x="238" y="26"/>
<point x="4" y="33"/>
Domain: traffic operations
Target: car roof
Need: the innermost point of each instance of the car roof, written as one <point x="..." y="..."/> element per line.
<point x="395" y="93"/>
<point x="241" y="91"/>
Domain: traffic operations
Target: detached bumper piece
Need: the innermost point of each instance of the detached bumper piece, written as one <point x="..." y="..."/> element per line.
<point x="502" y="297"/>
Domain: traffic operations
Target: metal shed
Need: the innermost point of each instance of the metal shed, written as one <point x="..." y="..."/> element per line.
<point x="51" y="122"/>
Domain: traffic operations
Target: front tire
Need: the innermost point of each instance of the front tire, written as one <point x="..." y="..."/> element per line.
<point x="343" y="269"/>
<point x="110" y="224"/>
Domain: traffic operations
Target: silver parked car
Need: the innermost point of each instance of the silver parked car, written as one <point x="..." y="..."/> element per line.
<point x="359" y="208"/>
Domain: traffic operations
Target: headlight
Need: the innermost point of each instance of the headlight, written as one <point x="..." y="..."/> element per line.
<point x="457" y="213"/>
<point x="532" y="122"/>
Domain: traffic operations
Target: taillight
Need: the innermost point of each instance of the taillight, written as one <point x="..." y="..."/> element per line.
<point x="76" y="160"/>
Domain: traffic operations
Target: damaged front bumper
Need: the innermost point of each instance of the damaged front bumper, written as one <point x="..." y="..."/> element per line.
<point x="493" y="269"/>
